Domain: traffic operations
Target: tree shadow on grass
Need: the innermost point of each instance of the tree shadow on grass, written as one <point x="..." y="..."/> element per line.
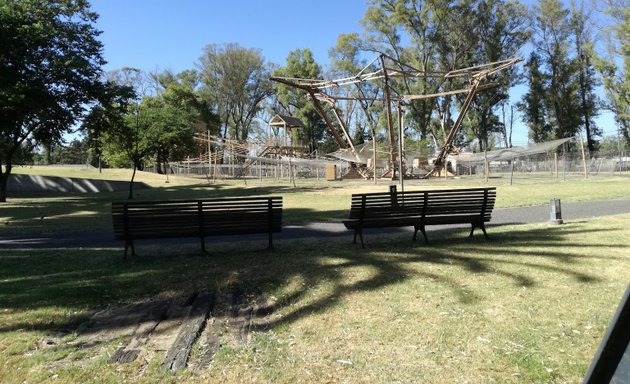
<point x="91" y="279"/>
<point x="54" y="212"/>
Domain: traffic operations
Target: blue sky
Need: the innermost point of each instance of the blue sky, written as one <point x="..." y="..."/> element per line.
<point x="165" y="34"/>
<point x="160" y="34"/>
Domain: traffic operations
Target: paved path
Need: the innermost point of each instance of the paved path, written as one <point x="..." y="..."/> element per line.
<point x="500" y="216"/>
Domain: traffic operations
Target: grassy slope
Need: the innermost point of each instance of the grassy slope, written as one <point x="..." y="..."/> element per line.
<point x="310" y="201"/>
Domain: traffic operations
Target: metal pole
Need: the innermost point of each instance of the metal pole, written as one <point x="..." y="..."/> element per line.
<point x="620" y="154"/>
<point x="388" y="109"/>
<point x="486" y="168"/>
<point x="400" y="149"/>
<point x="583" y="156"/>
<point x="317" y="164"/>
<point x="374" y="153"/>
<point x="209" y="155"/>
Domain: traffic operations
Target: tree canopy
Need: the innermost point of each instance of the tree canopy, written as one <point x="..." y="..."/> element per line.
<point x="50" y="70"/>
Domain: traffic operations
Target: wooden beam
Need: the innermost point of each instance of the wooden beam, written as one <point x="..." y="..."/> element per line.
<point x="390" y="124"/>
<point x="329" y="123"/>
<point x="177" y="356"/>
<point x="448" y="143"/>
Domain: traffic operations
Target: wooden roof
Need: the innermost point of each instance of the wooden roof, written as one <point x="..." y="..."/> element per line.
<point x="286" y="121"/>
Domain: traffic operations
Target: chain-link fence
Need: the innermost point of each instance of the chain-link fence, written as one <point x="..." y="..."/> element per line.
<point x="543" y="165"/>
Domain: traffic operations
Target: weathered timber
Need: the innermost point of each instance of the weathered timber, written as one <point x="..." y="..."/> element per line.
<point x="177" y="356"/>
<point x="149" y="320"/>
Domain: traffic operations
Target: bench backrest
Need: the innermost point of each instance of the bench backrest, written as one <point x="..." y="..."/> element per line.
<point x="461" y="202"/>
<point x="384" y="205"/>
<point x="190" y="218"/>
<point x="433" y="203"/>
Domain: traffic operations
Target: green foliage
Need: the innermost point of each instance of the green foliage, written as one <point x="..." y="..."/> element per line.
<point x="301" y="64"/>
<point x="614" y="67"/>
<point x="50" y="67"/>
<point x="552" y="41"/>
<point x="532" y="105"/>
<point x="587" y="82"/>
<point x="236" y="82"/>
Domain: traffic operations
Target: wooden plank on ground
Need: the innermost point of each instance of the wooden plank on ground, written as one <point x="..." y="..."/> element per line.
<point x="129" y="351"/>
<point x="177" y="356"/>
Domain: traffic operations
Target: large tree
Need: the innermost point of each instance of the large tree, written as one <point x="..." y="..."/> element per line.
<point x="532" y="105"/>
<point x="50" y="69"/>
<point x="236" y="81"/>
<point x="301" y="64"/>
<point x="614" y="64"/>
<point x="587" y="81"/>
<point x="553" y="37"/>
<point x="180" y="111"/>
<point x="500" y="27"/>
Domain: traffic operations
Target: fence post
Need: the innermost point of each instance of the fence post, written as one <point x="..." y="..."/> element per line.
<point x="583" y="156"/>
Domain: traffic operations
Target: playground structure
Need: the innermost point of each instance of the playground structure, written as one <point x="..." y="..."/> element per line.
<point x="280" y="154"/>
<point x="275" y="156"/>
<point x="319" y="91"/>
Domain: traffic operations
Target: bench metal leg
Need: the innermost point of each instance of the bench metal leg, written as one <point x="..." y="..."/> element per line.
<point x="129" y="244"/>
<point x="482" y="226"/>
<point x="485" y="234"/>
<point x="203" y="244"/>
<point x="361" y="237"/>
<point x="358" y="231"/>
<point x="270" y="240"/>
<point x="423" y="231"/>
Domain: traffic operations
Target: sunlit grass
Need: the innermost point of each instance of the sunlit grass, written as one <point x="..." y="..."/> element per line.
<point x="311" y="200"/>
<point x="530" y="306"/>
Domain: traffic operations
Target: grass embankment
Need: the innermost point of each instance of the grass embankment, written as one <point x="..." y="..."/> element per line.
<point x="311" y="200"/>
<point x="529" y="306"/>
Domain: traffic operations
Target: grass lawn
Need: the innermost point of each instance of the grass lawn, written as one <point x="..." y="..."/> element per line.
<point x="311" y="200"/>
<point x="529" y="306"/>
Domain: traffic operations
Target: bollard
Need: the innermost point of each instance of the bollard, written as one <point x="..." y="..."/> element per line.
<point x="556" y="211"/>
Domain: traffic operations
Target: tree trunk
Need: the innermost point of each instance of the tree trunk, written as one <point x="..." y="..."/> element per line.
<point x="133" y="176"/>
<point x="4" y="178"/>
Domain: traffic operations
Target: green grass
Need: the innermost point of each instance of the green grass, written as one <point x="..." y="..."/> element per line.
<point x="311" y="200"/>
<point x="529" y="306"/>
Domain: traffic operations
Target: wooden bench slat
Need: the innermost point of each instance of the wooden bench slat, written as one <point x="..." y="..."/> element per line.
<point x="196" y="218"/>
<point x="421" y="208"/>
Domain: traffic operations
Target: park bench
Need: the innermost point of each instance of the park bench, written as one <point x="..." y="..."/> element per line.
<point x="196" y="218"/>
<point x="421" y="208"/>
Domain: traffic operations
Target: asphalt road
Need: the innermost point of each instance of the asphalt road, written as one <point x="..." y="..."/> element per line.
<point x="500" y="216"/>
